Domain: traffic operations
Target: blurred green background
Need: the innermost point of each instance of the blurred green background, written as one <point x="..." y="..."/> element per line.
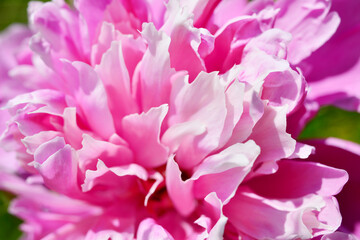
<point x="9" y="225"/>
<point x="12" y="11"/>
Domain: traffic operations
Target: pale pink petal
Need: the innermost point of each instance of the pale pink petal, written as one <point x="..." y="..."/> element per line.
<point x="32" y="113"/>
<point x="263" y="60"/>
<point x="126" y="16"/>
<point x="235" y="94"/>
<point x="98" y="182"/>
<point x="182" y="133"/>
<point x="8" y="161"/>
<point x="111" y="154"/>
<point x="48" y="148"/>
<point x="302" y="151"/>
<point x="142" y="132"/>
<point x="230" y="41"/>
<point x="270" y="134"/>
<point x="202" y="10"/>
<point x="41" y="101"/>
<point x="107" y="234"/>
<point x="215" y="222"/>
<point x="11" y="39"/>
<point x="318" y="181"/>
<point x="132" y="48"/>
<point x="261" y="217"/>
<point x="157" y="9"/>
<point x="222" y="173"/>
<point x="107" y="35"/>
<point x="225" y="11"/>
<point x="310" y="24"/>
<point x="15" y="54"/>
<point x="185" y="42"/>
<point x="58" y="26"/>
<point x="92" y="11"/>
<point x="33" y="142"/>
<point x="179" y="191"/>
<point x="43" y="210"/>
<point x="151" y="82"/>
<point x="237" y="155"/>
<point x="209" y="110"/>
<point x="158" y="178"/>
<point x="57" y="164"/>
<point x="338" y="236"/>
<point x="92" y="100"/>
<point x="253" y="110"/>
<point x="115" y="77"/>
<point x="150" y="230"/>
<point x="73" y="133"/>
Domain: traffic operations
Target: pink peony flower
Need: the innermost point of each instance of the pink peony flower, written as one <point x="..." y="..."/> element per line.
<point x="153" y="120"/>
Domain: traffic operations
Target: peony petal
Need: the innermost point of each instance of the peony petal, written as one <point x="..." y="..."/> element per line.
<point x="209" y="110"/>
<point x="235" y="94"/>
<point x="253" y="110"/>
<point x="222" y="173"/>
<point x="338" y="236"/>
<point x="230" y="41"/>
<point x="59" y="33"/>
<point x="150" y="230"/>
<point x="324" y="76"/>
<point x="142" y="132"/>
<point x="33" y="142"/>
<point x="281" y="85"/>
<point x="72" y="131"/>
<point x="310" y="22"/>
<point x="270" y="134"/>
<point x="303" y="178"/>
<point x="179" y="191"/>
<point x="276" y="219"/>
<point x="57" y="164"/>
<point x="98" y="182"/>
<point x="214" y="224"/>
<point x="302" y="151"/>
<point x="151" y="83"/>
<point x="43" y="217"/>
<point x="92" y="11"/>
<point x="237" y="155"/>
<point x="344" y="155"/>
<point x="111" y="154"/>
<point x="185" y="41"/>
<point x="115" y="77"/>
<point x="91" y="97"/>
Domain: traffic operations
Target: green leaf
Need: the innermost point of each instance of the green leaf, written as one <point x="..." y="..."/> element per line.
<point x="331" y="121"/>
<point x="9" y="229"/>
<point x="12" y="11"/>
